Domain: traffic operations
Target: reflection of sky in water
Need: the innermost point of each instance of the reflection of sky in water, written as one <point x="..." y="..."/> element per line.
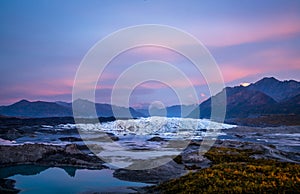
<point x="56" y="180"/>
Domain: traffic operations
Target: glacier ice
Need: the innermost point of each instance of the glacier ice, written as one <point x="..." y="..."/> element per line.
<point x="157" y="125"/>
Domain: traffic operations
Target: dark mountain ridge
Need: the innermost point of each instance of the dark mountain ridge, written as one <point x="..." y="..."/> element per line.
<point x="24" y="108"/>
<point x="266" y="96"/>
<point x="41" y="109"/>
<point x="278" y="90"/>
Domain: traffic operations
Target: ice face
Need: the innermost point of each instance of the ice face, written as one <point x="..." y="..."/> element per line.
<point x="155" y="125"/>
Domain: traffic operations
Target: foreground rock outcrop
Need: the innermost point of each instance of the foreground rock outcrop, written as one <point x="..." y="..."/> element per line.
<point x="50" y="155"/>
<point x="162" y="173"/>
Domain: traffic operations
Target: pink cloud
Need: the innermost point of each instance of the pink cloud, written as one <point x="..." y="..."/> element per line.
<point x="234" y="71"/>
<point x="9" y="101"/>
<point x="235" y="32"/>
<point x="278" y="59"/>
<point x="156" y="52"/>
<point x="261" y="62"/>
<point x="173" y="82"/>
<point x="42" y="88"/>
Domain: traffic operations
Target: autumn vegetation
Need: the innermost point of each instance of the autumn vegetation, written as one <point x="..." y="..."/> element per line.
<point x="235" y="171"/>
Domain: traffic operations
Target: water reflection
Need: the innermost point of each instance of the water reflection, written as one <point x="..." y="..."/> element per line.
<point x="21" y="170"/>
<point x="33" y="179"/>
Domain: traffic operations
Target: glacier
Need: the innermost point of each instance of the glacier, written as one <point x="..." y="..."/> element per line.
<point x="163" y="126"/>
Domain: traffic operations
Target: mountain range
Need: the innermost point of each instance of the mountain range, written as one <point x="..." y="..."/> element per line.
<point x="41" y="109"/>
<point x="266" y="96"/>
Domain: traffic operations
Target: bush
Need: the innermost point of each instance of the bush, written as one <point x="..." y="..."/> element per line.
<point x="235" y="172"/>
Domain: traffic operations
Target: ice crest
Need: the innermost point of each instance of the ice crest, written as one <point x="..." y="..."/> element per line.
<point x="155" y="125"/>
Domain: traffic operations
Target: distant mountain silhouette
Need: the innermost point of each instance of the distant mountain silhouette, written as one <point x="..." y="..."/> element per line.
<point x="267" y="96"/>
<point x="104" y="110"/>
<point x="41" y="109"/>
<point x="25" y="108"/>
<point x="171" y="111"/>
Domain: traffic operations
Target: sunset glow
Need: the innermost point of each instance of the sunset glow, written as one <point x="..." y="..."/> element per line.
<point x="41" y="52"/>
<point x="245" y="84"/>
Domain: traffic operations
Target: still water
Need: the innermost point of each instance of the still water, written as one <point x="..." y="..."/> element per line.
<point x="37" y="179"/>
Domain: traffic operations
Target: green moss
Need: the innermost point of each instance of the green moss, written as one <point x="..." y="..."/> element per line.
<point x="235" y="172"/>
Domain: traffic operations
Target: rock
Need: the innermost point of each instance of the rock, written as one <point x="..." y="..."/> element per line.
<point x="162" y="173"/>
<point x="13" y="134"/>
<point x="72" y="149"/>
<point x="192" y="159"/>
<point x="103" y="137"/>
<point x="239" y="136"/>
<point x="195" y="143"/>
<point x="156" y="138"/>
<point x="50" y="155"/>
<point x="7" y="186"/>
<point x="70" y="139"/>
<point x="10" y="133"/>
<point x="26" y="153"/>
<point x="258" y="134"/>
<point x="113" y="136"/>
<point x="178" y="159"/>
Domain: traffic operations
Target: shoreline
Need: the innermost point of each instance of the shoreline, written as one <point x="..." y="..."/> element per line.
<point x="188" y="161"/>
<point x="270" y="145"/>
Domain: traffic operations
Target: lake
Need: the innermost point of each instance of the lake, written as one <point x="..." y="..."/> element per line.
<point x="33" y="179"/>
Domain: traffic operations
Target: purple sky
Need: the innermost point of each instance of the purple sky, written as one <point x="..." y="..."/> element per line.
<point x="43" y="42"/>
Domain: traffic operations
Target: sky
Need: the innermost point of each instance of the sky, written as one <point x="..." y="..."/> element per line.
<point x="42" y="43"/>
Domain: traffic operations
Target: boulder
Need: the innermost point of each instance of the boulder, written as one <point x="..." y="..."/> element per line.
<point x="156" y="138"/>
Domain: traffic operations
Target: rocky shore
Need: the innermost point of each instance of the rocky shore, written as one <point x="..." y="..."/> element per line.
<point x="189" y="159"/>
<point x="245" y="146"/>
<point x="50" y="155"/>
<point x="43" y="155"/>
